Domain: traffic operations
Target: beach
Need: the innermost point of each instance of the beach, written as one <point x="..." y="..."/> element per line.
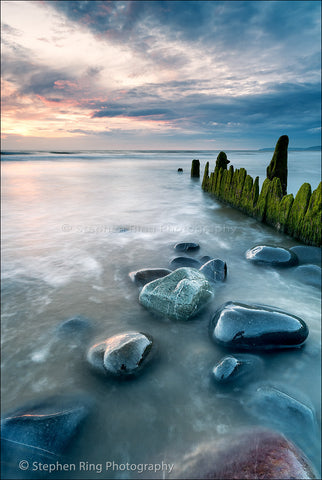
<point x="74" y="226"/>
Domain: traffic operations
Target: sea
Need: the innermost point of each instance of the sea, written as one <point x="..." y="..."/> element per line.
<point x="74" y="225"/>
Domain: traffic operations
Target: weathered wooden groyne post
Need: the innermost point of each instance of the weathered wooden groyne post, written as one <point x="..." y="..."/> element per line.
<point x="195" y="168"/>
<point x="299" y="217"/>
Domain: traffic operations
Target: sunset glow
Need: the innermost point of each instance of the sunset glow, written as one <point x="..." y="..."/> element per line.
<point x="107" y="74"/>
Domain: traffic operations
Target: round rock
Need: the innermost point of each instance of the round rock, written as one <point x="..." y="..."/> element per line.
<point x="77" y="325"/>
<point x="121" y="355"/>
<point x="144" y="276"/>
<point x="180" y="262"/>
<point x="179" y="295"/>
<point x="270" y="255"/>
<point x="246" y="454"/>
<point x="309" y="274"/>
<point x="233" y="368"/>
<point x="241" y="326"/>
<point x="307" y="254"/>
<point x="214" y="270"/>
<point x="187" y="247"/>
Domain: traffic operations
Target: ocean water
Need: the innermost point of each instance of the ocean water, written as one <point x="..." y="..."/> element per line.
<point x="73" y="227"/>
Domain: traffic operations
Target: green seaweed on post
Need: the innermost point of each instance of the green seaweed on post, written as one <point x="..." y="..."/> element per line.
<point x="310" y="225"/>
<point x="298" y="210"/>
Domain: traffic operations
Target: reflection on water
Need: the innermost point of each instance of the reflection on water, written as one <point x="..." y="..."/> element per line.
<point x="72" y="231"/>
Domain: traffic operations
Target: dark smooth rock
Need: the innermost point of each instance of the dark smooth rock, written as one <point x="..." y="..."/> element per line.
<point x="282" y="411"/>
<point x="246" y="454"/>
<point x="77" y="325"/>
<point x="180" y="170"/>
<point x="48" y="426"/>
<point x="270" y="255"/>
<point x="205" y="259"/>
<point x="309" y="274"/>
<point x="144" y="276"/>
<point x="121" y="355"/>
<point x="307" y="254"/>
<point x="235" y="367"/>
<point x="214" y="270"/>
<point x="178" y="296"/>
<point x="187" y="247"/>
<point x="236" y="325"/>
<point x="180" y="262"/>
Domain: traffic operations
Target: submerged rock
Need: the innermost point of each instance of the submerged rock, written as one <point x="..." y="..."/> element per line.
<point x="141" y="277"/>
<point x="205" y="259"/>
<point x="187" y="247"/>
<point x="41" y="431"/>
<point x="236" y="325"/>
<point x="180" y="262"/>
<point x="179" y="295"/>
<point x="235" y="367"/>
<point x="77" y="325"/>
<point x="274" y="256"/>
<point x="282" y="411"/>
<point x="214" y="270"/>
<point x="245" y="454"/>
<point x="121" y="355"/>
<point x="309" y="274"/>
<point x="307" y="254"/>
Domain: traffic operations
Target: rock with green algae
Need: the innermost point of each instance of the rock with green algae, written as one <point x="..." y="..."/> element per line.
<point x="222" y="160"/>
<point x="195" y="168"/>
<point x="310" y="225"/>
<point x="278" y="165"/>
<point x="298" y="210"/>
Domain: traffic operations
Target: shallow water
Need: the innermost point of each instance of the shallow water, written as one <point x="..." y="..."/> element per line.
<point x="73" y="228"/>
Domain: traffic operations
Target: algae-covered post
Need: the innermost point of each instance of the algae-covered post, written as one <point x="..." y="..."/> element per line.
<point x="278" y="166"/>
<point x="299" y="217"/>
<point x="195" y="168"/>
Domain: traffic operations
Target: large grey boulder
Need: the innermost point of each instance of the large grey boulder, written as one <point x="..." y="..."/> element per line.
<point x="123" y="354"/>
<point x="179" y="295"/>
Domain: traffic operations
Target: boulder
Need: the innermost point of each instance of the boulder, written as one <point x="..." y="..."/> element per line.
<point x="187" y="247"/>
<point x="309" y="274"/>
<point x="205" y="259"/>
<point x="121" y="355"/>
<point x="250" y="454"/>
<point x="214" y="270"/>
<point x="180" y="262"/>
<point x="180" y="170"/>
<point x="233" y="368"/>
<point x="146" y="275"/>
<point x="273" y="256"/>
<point x="41" y="431"/>
<point x="179" y="295"/>
<point x="77" y="325"/>
<point x="277" y="409"/>
<point x="307" y="254"/>
<point x="240" y="326"/>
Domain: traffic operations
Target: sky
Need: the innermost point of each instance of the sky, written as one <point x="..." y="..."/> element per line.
<point x="160" y="74"/>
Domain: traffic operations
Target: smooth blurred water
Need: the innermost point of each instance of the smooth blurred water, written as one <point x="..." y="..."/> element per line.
<point x="73" y="227"/>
